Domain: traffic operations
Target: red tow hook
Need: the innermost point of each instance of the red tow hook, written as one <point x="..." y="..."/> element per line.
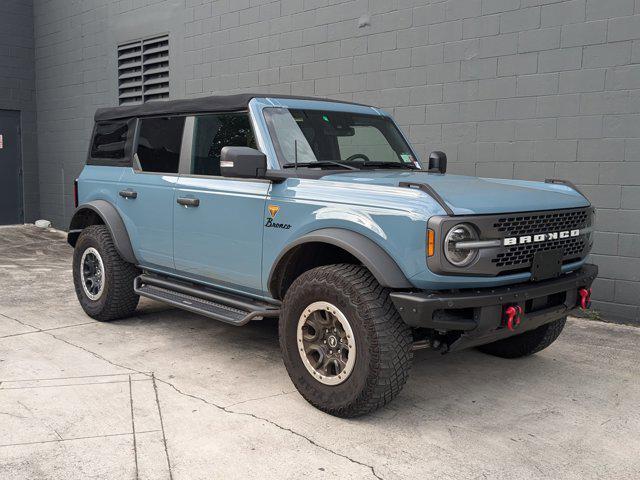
<point x="514" y="316"/>
<point x="585" y="298"/>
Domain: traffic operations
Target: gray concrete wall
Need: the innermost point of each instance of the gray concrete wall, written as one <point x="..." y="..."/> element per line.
<point x="507" y="88"/>
<point x="17" y="89"/>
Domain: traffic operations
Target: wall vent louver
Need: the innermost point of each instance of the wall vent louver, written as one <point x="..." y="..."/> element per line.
<point x="143" y="70"/>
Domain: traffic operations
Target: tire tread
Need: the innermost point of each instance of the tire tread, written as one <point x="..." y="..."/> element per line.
<point x="392" y="338"/>
<point x="121" y="300"/>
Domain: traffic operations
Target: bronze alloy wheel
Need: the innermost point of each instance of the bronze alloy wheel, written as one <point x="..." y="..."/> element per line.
<point x="326" y="343"/>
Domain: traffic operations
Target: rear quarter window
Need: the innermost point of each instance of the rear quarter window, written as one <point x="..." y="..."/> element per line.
<point x="110" y="144"/>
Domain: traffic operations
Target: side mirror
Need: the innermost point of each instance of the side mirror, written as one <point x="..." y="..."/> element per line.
<point x="437" y="162"/>
<point x="242" y="162"/>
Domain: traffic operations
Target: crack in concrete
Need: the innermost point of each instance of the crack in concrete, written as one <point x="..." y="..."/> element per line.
<point x="44" y="330"/>
<point x="20" y="322"/>
<point x="108" y="435"/>
<point x="226" y="409"/>
<point x="36" y="329"/>
<point x="260" y="398"/>
<point x="72" y="378"/>
<point x="164" y="437"/>
<point x="96" y="355"/>
<point x="133" y="428"/>
<point x="34" y="416"/>
<point x="30" y="387"/>
<point x="11" y="415"/>
<point x="311" y="441"/>
<point x="275" y="424"/>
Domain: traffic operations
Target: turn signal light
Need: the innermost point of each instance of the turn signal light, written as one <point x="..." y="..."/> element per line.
<point x="431" y="242"/>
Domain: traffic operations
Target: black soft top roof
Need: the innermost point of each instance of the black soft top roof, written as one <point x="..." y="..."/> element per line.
<point x="213" y="104"/>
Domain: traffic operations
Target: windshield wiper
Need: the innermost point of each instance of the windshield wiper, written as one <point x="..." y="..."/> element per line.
<point x="407" y="166"/>
<point x="319" y="164"/>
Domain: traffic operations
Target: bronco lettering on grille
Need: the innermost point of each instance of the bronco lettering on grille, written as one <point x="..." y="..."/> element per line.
<point x="540" y="237"/>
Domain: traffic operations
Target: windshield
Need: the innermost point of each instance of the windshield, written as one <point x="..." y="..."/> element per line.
<point x="351" y="139"/>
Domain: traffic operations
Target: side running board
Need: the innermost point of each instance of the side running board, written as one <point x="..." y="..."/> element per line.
<point x="223" y="306"/>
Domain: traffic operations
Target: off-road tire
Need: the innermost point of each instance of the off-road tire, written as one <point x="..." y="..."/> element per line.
<point x="118" y="300"/>
<point x="526" y="343"/>
<point x="383" y="341"/>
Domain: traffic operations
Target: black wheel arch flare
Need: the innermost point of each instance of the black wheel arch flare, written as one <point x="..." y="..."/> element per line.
<point x="385" y="270"/>
<point x="88" y="213"/>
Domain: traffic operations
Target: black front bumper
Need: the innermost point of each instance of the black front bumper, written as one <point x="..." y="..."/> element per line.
<point x="478" y="314"/>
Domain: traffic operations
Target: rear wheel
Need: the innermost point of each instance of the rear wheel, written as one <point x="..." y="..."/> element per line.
<point x="344" y="345"/>
<point x="526" y="343"/>
<point x="103" y="280"/>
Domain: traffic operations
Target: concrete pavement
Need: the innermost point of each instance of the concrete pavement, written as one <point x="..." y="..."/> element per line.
<point x="170" y="395"/>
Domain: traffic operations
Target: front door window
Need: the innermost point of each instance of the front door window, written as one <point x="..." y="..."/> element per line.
<point x="212" y="133"/>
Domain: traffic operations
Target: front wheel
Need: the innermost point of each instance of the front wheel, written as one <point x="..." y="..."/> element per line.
<point x="526" y="343"/>
<point x="344" y="345"/>
<point x="103" y="280"/>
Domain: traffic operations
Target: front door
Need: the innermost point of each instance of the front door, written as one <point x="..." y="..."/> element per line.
<point x="218" y="222"/>
<point x="10" y="169"/>
<point x="147" y="191"/>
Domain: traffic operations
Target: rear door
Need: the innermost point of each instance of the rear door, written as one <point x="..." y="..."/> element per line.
<point x="218" y="221"/>
<point x="146" y="195"/>
<point x="10" y="169"/>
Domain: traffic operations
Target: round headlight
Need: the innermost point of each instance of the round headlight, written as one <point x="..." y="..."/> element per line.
<point x="460" y="257"/>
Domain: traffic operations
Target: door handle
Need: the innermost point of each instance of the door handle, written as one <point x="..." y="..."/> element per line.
<point x="188" y="202"/>
<point x="128" y="193"/>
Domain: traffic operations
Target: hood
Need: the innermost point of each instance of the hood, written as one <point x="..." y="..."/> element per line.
<point x="471" y="195"/>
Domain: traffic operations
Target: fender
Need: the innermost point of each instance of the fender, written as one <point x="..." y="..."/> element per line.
<point x="380" y="264"/>
<point x="111" y="218"/>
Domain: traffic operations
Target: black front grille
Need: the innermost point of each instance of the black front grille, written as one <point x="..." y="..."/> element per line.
<point x="521" y="256"/>
<point x="548" y="222"/>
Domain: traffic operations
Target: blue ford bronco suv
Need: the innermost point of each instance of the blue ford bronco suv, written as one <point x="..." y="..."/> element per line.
<point x="318" y="212"/>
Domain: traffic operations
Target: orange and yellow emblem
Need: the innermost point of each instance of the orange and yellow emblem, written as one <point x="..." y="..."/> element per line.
<point x="273" y="210"/>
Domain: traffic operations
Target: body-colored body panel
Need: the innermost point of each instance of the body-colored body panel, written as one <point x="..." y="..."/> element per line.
<point x="477" y="196"/>
<point x="149" y="217"/>
<point x="221" y="239"/>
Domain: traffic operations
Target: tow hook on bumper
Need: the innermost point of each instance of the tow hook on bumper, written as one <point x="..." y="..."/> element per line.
<point x="513" y="314"/>
<point x="585" y="298"/>
<point x="512" y="317"/>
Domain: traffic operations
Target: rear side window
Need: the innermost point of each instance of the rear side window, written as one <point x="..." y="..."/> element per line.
<point x="159" y="143"/>
<point x="109" y="140"/>
<point x="213" y="132"/>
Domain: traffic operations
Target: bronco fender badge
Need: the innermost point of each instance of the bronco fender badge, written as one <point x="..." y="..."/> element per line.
<point x="273" y="211"/>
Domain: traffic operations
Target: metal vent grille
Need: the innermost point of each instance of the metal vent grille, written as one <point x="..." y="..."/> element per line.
<point x="143" y="70"/>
